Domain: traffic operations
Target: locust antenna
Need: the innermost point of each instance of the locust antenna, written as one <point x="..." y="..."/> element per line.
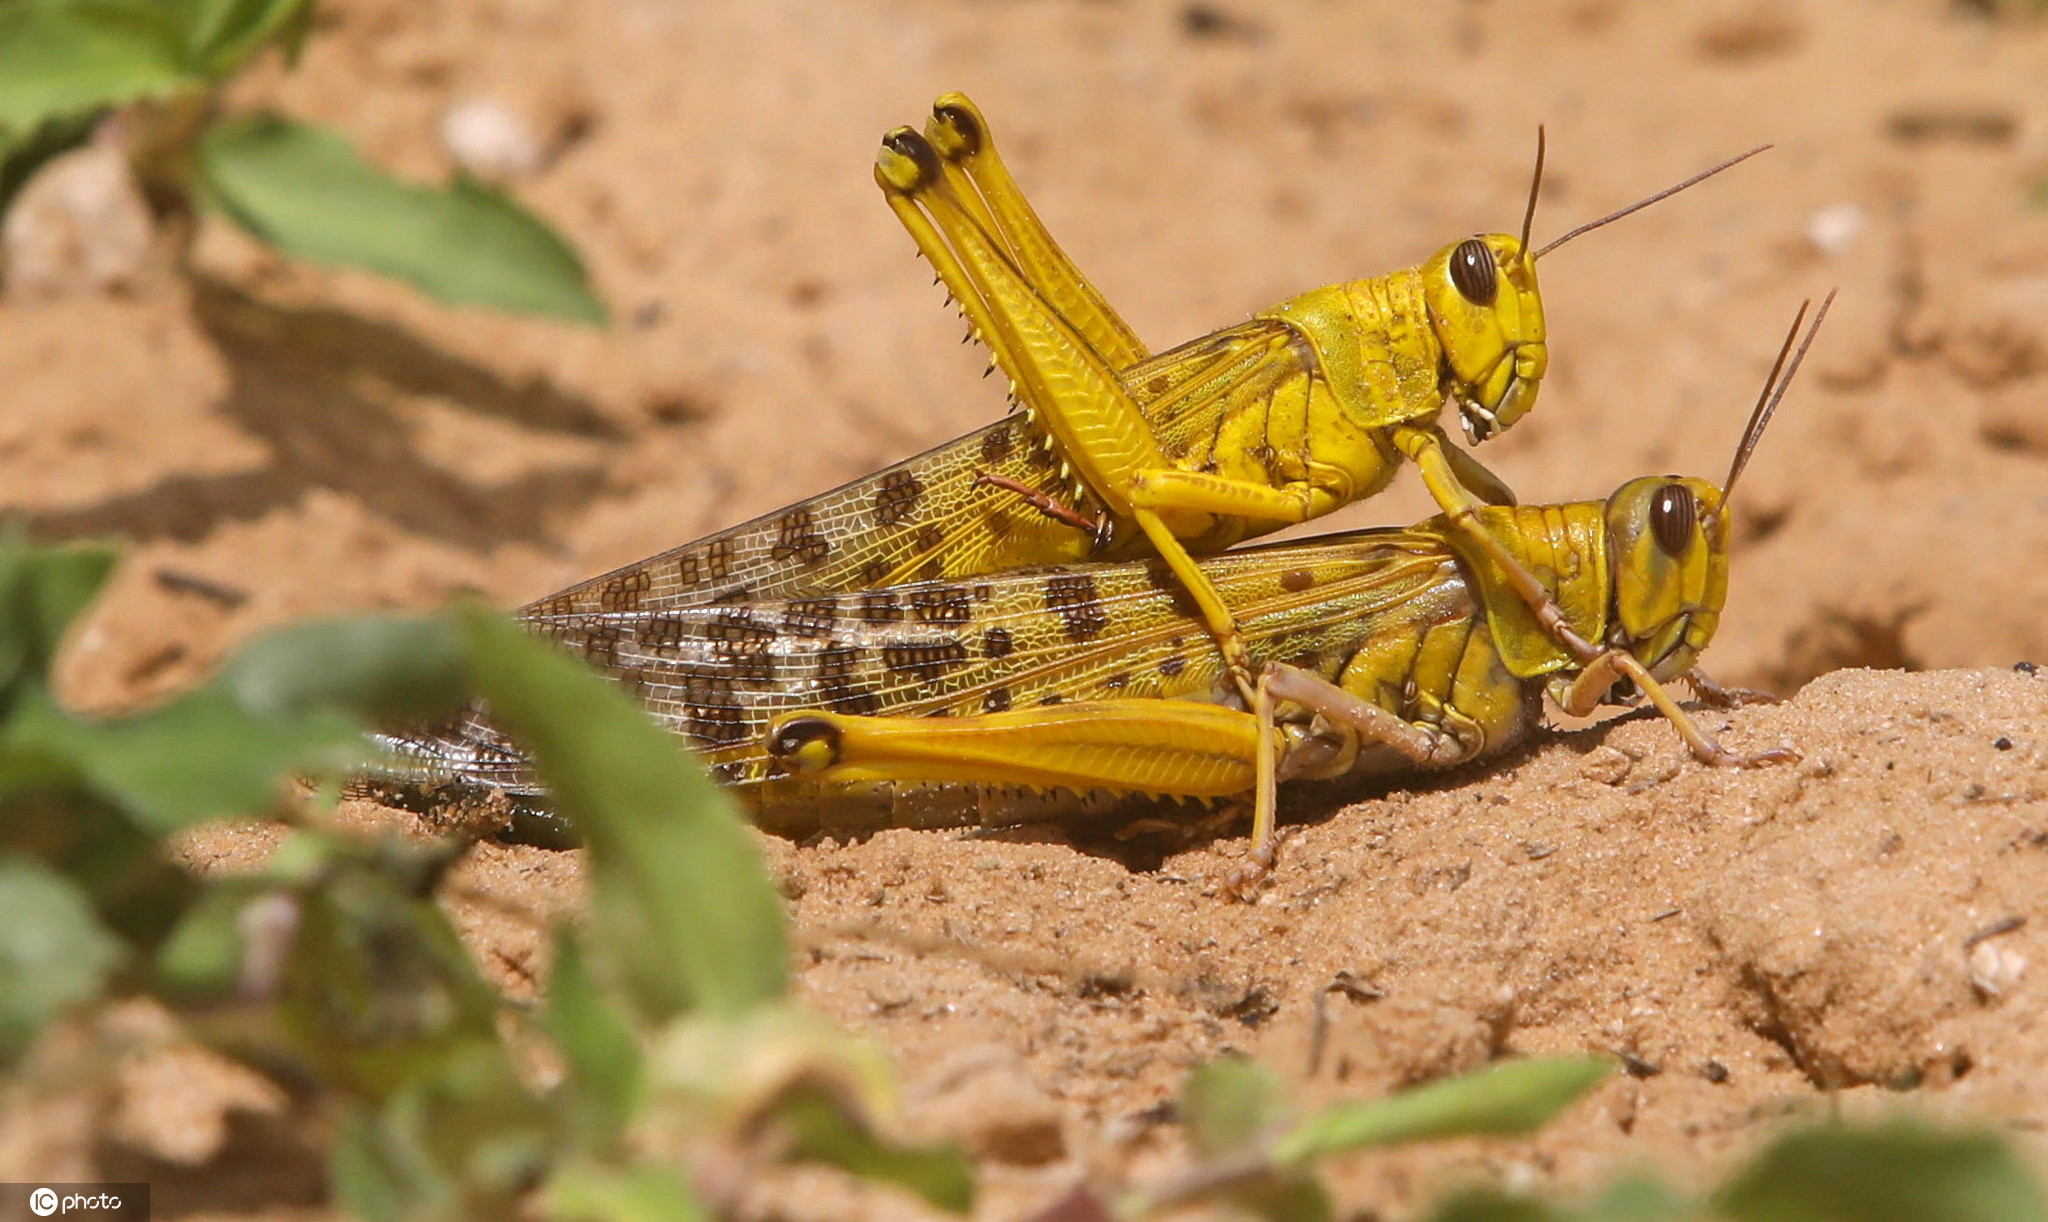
<point x="1535" y="188"/>
<point x="1641" y="204"/>
<point x="1774" y="389"/>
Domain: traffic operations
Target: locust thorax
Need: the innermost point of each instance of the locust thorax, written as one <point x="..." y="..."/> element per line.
<point x="1667" y="549"/>
<point x="1488" y="318"/>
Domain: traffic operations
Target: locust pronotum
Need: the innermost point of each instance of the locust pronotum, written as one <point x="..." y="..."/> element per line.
<point x="1448" y="665"/>
<point x="1301" y="409"/>
<point x="1096" y="676"/>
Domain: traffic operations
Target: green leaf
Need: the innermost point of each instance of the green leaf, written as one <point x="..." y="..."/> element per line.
<point x="1490" y="1206"/>
<point x="384" y="668"/>
<point x="382" y="1175"/>
<point x="1515" y="1097"/>
<point x="680" y="901"/>
<point x="203" y="958"/>
<point x="223" y="34"/>
<point x="54" y="953"/>
<point x="297" y="700"/>
<point x="42" y="590"/>
<point x="1639" y="1197"/>
<point x="305" y="191"/>
<point x="582" y="1193"/>
<point x="1899" y="1170"/>
<point x="58" y="59"/>
<point x="1228" y="1104"/>
<point x="1296" y="1197"/>
<point x="200" y="757"/>
<point x="605" y="1078"/>
<point x="824" y="1133"/>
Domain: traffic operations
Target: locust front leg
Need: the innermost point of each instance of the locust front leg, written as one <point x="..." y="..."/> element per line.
<point x="1580" y="695"/>
<point x="1426" y="448"/>
<point x="1070" y="388"/>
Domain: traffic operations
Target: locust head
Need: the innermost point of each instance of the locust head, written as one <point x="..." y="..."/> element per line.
<point x="1488" y="318"/>
<point x="1487" y="313"/>
<point x="1667" y="547"/>
<point x="1667" y="541"/>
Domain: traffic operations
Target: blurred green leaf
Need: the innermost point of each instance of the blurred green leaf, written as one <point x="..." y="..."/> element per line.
<point x="382" y="1175"/>
<point x="604" y="1080"/>
<point x="202" y="756"/>
<point x="582" y="1193"/>
<point x="1899" y="1170"/>
<point x="1514" y="1097"/>
<point x="54" y="953"/>
<point x="1639" y="1198"/>
<point x="1490" y="1206"/>
<point x="305" y="191"/>
<point x="680" y="901"/>
<point x="379" y="990"/>
<point x="203" y="958"/>
<point x="384" y="668"/>
<point x="1228" y="1104"/>
<point x="1297" y="1197"/>
<point x="59" y="59"/>
<point x="825" y="1133"/>
<point x="42" y="590"/>
<point x="297" y="700"/>
<point x="222" y="34"/>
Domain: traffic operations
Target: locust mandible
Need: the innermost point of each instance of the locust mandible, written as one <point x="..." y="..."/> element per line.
<point x="1121" y="453"/>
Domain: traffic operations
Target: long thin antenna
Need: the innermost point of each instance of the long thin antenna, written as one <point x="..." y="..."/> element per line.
<point x="1535" y="188"/>
<point x="1641" y="204"/>
<point x="1774" y="390"/>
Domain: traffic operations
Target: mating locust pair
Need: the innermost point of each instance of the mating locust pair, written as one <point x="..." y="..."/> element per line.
<point x="1044" y="611"/>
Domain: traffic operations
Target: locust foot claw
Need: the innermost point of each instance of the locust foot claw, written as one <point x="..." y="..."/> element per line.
<point x="1714" y="696"/>
<point x="1243" y="882"/>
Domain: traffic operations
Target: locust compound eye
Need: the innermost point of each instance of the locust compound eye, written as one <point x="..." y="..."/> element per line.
<point x="1673" y="514"/>
<point x="1472" y="270"/>
<point x="809" y="743"/>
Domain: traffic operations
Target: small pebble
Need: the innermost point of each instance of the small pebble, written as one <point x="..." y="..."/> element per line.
<point x="490" y="140"/>
<point x="1833" y="229"/>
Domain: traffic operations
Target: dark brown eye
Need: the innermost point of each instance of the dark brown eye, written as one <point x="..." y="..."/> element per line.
<point x="1473" y="272"/>
<point x="1673" y="514"/>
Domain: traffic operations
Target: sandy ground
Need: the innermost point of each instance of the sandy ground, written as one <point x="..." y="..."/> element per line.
<point x="1759" y="944"/>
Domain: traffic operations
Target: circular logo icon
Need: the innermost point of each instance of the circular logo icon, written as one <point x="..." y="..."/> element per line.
<point x="43" y="1201"/>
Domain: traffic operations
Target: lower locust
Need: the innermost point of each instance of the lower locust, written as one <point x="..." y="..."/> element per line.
<point x="1006" y="697"/>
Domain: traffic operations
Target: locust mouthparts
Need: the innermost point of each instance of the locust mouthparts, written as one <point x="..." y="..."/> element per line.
<point x="1479" y="421"/>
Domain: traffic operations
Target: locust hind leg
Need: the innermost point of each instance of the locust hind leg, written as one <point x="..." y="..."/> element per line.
<point x="1070" y="389"/>
<point x="1177" y="747"/>
<point x="960" y="134"/>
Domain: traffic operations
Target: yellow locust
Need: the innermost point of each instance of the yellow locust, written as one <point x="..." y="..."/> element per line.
<point x="1120" y="452"/>
<point x="1381" y="651"/>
